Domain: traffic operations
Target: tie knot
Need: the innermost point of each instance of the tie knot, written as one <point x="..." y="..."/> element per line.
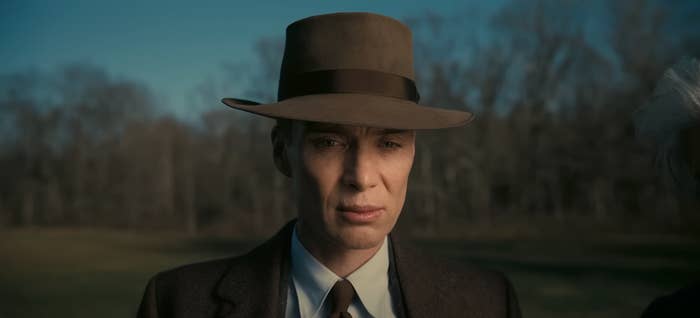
<point x="341" y="296"/>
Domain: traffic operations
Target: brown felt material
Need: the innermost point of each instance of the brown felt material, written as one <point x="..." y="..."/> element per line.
<point x="353" y="68"/>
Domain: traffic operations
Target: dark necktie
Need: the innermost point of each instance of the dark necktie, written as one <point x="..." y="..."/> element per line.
<point x="341" y="296"/>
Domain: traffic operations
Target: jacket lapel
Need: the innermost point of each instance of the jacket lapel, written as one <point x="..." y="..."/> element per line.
<point x="419" y="282"/>
<point x="394" y="284"/>
<point x="256" y="284"/>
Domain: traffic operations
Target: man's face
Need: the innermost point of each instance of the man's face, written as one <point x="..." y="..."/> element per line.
<point x="349" y="182"/>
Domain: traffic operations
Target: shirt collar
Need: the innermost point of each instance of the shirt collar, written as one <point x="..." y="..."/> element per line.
<point x="313" y="280"/>
<point x="371" y="280"/>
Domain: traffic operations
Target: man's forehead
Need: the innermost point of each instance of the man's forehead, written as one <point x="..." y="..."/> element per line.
<point x="311" y="127"/>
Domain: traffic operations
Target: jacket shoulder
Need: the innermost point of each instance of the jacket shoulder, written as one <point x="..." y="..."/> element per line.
<point x="681" y="303"/>
<point x="453" y="273"/>
<point x="184" y="291"/>
<point x="206" y="288"/>
<point x="465" y="272"/>
<point x="194" y="274"/>
<point x="458" y="286"/>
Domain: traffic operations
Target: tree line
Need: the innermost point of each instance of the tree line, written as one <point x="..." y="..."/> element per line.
<point x="553" y="138"/>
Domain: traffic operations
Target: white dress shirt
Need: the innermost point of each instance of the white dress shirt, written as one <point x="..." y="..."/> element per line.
<point x="311" y="282"/>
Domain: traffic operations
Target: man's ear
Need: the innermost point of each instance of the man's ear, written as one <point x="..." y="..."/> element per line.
<point x="279" y="152"/>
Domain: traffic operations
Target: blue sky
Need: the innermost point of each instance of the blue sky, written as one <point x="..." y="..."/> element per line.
<point x="171" y="46"/>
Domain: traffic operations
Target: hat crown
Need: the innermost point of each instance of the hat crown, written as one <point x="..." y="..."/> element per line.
<point x="351" y="68"/>
<point x="348" y="40"/>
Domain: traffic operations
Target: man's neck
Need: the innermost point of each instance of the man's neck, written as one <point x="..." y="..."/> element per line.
<point x="342" y="261"/>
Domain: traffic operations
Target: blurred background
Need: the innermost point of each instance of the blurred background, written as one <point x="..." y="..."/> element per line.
<point x="117" y="159"/>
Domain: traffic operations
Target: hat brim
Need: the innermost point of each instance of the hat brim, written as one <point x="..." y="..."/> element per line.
<point x="357" y="110"/>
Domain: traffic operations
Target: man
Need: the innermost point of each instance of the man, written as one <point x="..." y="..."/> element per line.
<point x="346" y="118"/>
<point x="671" y="121"/>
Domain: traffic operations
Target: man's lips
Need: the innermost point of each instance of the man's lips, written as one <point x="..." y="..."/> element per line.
<point x="360" y="214"/>
<point x="359" y="208"/>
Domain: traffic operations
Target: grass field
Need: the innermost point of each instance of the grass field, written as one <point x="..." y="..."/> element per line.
<point x="91" y="273"/>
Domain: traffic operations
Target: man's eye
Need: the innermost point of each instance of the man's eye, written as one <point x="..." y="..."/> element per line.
<point x="390" y="144"/>
<point x="325" y="142"/>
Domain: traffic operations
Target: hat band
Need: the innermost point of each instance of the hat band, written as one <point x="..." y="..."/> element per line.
<point x="347" y="81"/>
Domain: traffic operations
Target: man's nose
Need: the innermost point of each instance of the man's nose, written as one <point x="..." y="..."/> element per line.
<point x="360" y="171"/>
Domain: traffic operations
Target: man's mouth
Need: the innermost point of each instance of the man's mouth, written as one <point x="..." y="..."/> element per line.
<point x="359" y="208"/>
<point x="360" y="213"/>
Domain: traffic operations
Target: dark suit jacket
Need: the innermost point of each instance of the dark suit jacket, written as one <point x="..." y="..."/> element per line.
<point x="255" y="285"/>
<point x="681" y="303"/>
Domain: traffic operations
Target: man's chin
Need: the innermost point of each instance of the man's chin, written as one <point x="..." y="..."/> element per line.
<point x="358" y="238"/>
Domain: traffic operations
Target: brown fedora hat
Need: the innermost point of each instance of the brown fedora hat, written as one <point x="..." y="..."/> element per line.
<point x="352" y="68"/>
